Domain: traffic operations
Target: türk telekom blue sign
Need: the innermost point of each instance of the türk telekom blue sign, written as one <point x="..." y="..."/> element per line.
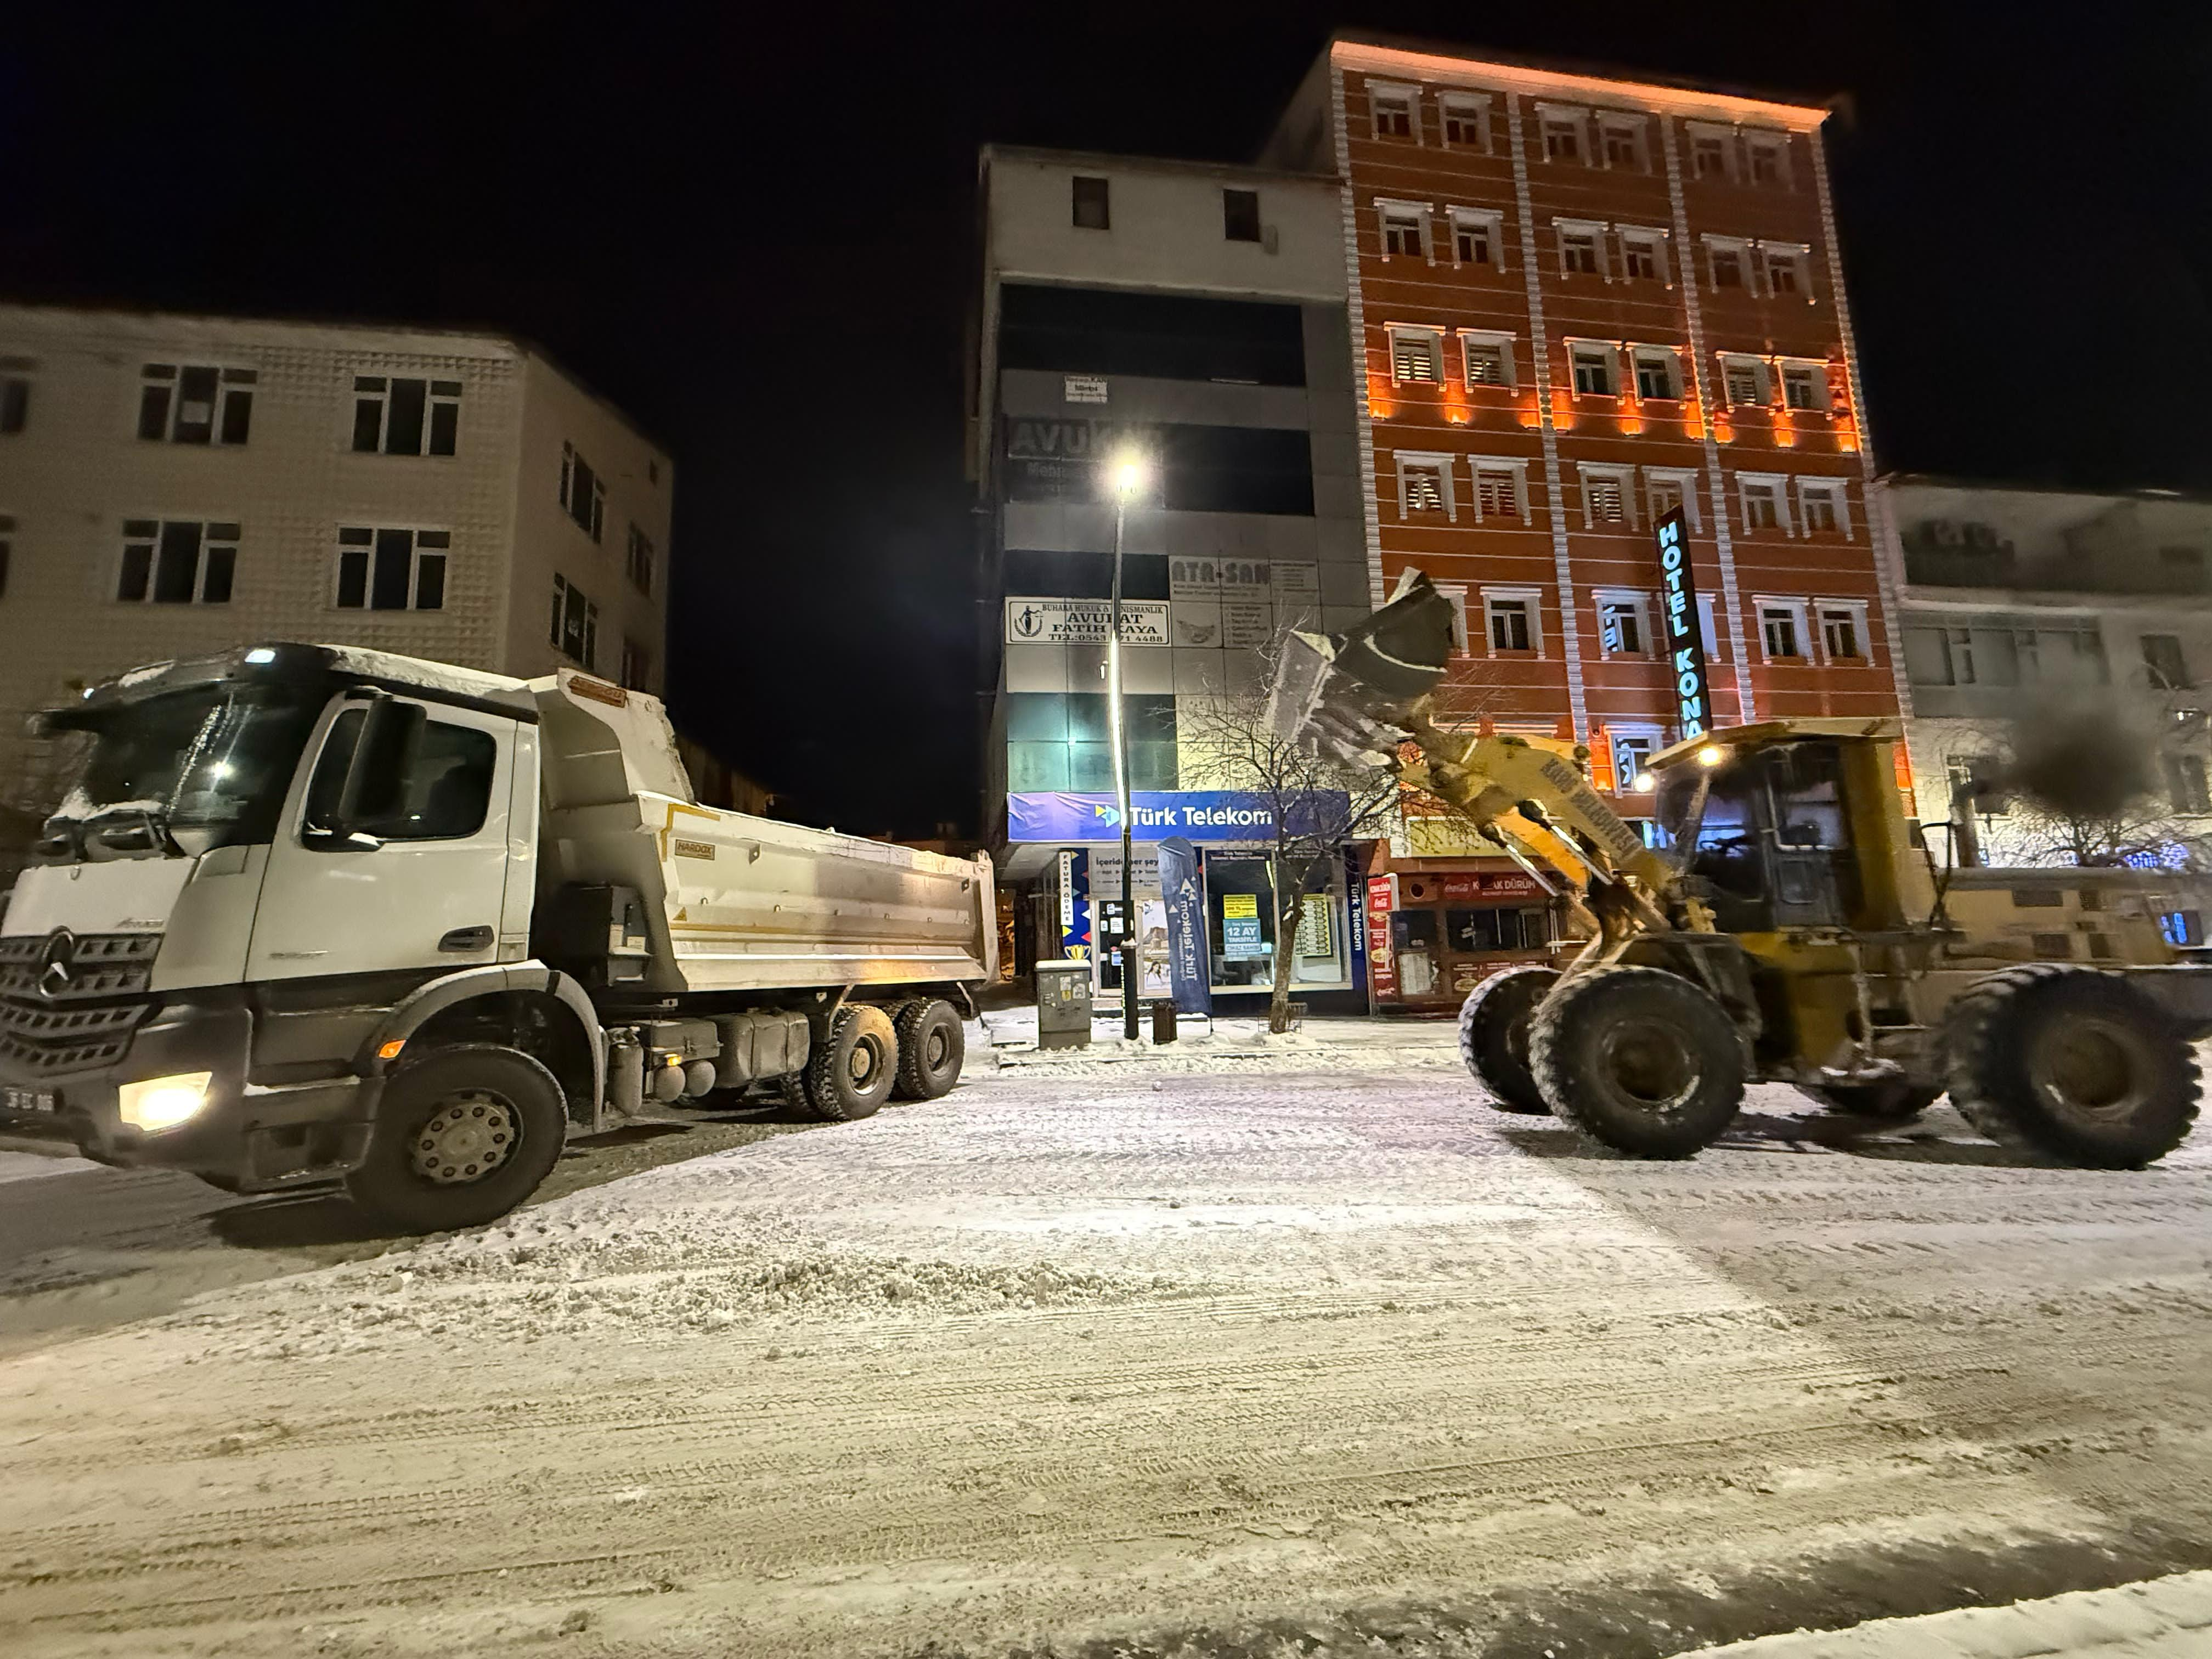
<point x="1212" y="815"/>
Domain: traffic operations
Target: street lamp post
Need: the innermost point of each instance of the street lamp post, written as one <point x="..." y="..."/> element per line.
<point x="1128" y="479"/>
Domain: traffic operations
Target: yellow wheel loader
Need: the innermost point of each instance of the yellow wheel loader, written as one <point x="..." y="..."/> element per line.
<point x="1795" y="930"/>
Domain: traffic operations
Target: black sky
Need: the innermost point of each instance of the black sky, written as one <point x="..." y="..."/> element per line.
<point x="756" y="232"/>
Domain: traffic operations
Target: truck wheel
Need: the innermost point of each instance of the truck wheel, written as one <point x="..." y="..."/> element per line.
<point x="1639" y="1058"/>
<point x="1897" y="1100"/>
<point x="2074" y="1063"/>
<point x="930" y="1047"/>
<point x="851" y="1074"/>
<point x="1493" y="1036"/>
<point x="461" y="1137"/>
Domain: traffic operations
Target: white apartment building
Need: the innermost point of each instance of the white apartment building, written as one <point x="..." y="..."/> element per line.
<point x="172" y="484"/>
<point x="2018" y="602"/>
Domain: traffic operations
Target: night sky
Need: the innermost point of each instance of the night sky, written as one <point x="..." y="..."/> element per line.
<point x="759" y="239"/>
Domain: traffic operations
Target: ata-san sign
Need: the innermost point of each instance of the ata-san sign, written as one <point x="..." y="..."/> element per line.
<point x="1685" y="645"/>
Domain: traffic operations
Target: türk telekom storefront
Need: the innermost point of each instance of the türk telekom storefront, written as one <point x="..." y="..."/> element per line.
<point x="1065" y="847"/>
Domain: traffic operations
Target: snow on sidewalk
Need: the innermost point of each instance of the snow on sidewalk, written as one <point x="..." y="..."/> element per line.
<point x="2162" y="1619"/>
<point x="1221" y="1043"/>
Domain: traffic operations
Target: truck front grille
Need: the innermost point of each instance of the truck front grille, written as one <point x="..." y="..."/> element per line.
<point x="68" y="1002"/>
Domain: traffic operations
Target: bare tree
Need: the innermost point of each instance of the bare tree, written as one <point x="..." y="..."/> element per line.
<point x="1314" y="804"/>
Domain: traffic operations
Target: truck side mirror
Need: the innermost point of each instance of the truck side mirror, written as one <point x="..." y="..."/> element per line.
<point x="376" y="774"/>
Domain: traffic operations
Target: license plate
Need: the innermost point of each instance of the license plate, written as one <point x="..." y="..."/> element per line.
<point x="30" y="1100"/>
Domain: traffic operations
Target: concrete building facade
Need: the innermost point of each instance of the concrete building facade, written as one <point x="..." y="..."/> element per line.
<point x="1196" y="314"/>
<point x="2023" y="607"/>
<point x="172" y="484"/>
<point x="1577" y="298"/>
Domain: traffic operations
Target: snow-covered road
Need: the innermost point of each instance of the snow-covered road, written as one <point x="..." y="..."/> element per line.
<point x="1201" y="1364"/>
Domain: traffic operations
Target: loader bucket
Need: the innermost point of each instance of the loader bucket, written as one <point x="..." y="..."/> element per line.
<point x="1339" y="692"/>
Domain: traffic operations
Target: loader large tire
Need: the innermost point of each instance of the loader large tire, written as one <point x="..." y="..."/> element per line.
<point x="1639" y="1059"/>
<point x="1899" y="1100"/>
<point x="1493" y="1036"/>
<point x="2073" y="1063"/>
<point x="851" y="1072"/>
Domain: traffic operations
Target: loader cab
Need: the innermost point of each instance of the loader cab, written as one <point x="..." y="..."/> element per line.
<point x="1783" y="829"/>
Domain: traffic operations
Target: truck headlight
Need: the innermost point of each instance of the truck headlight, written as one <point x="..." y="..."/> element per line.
<point x="163" y="1102"/>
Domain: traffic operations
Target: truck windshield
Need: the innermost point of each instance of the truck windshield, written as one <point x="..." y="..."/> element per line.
<point x="199" y="768"/>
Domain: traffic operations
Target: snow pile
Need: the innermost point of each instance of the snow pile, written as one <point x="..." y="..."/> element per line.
<point x="543" y="1274"/>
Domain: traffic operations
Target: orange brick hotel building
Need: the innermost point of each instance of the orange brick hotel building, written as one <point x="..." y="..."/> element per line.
<point x="1577" y="299"/>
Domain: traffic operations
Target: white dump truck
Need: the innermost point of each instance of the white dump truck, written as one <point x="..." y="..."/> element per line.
<point x="310" y="914"/>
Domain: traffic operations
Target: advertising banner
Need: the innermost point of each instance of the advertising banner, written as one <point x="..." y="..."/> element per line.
<point x="1190" y="964"/>
<point x="1200" y="815"/>
<point x="1241" y="940"/>
<point x="1085" y="622"/>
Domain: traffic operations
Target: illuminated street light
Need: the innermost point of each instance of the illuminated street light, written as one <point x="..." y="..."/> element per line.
<point x="1643" y="782"/>
<point x="1132" y="472"/>
<point x="1711" y="755"/>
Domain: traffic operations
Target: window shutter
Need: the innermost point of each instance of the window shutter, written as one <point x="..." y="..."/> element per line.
<point x="1603" y="494"/>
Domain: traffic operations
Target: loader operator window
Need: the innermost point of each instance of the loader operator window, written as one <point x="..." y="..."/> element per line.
<point x="448" y="781"/>
<point x="1808" y="800"/>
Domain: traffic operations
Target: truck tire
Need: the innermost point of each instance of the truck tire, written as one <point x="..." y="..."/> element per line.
<point x="2073" y="1063"/>
<point x="931" y="1048"/>
<point x="850" y="1073"/>
<point x="1639" y="1059"/>
<point x="1493" y="1036"/>
<point x="1899" y="1100"/>
<point x="461" y="1137"/>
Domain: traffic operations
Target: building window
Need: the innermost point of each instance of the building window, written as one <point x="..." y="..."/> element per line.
<point x="636" y="666"/>
<point x="1424" y="485"/>
<point x="1580" y="254"/>
<point x="7" y="548"/>
<point x="1762" y="505"/>
<point x="1594" y="370"/>
<point x="1455" y="596"/>
<point x="1785" y="269"/>
<point x="1667" y="490"/>
<point x="1643" y="256"/>
<point x="1782" y="628"/>
<point x="1622" y="137"/>
<point x="1632" y="759"/>
<point x="1843" y="630"/>
<point x="14" y="403"/>
<point x="1510" y="620"/>
<point x="1976" y="783"/>
<point x="1489" y="358"/>
<point x="1416" y="354"/>
<point x="2162" y="661"/>
<point x="575" y="623"/>
<point x="177" y="562"/>
<point x="1770" y="160"/>
<point x="391" y="570"/>
<point x="1497" y="491"/>
<point x="1404" y="231"/>
<point x="1605" y="495"/>
<point x="1467" y="122"/>
<point x="1709" y="153"/>
<point x="1623" y="629"/>
<point x="1091" y="212"/>
<point x="583" y="492"/>
<point x="1656" y="370"/>
<point x="195" y="404"/>
<point x="1394" y="112"/>
<point x="1477" y="238"/>
<point x="1240" y="215"/>
<point x="1805" y="385"/>
<point x="1826" y="507"/>
<point x="639" y="562"/>
<point x="402" y="416"/>
<point x="2187" y="784"/>
<point x="1563" y="137"/>
<point x="1745" y="379"/>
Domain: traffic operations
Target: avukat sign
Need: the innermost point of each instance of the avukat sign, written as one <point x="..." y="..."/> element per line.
<point x="1685" y="645"/>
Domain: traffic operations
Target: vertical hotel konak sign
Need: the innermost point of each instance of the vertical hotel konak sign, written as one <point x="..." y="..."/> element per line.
<point x="1685" y="644"/>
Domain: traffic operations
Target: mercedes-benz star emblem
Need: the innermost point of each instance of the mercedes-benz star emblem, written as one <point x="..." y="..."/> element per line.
<point x="57" y="962"/>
